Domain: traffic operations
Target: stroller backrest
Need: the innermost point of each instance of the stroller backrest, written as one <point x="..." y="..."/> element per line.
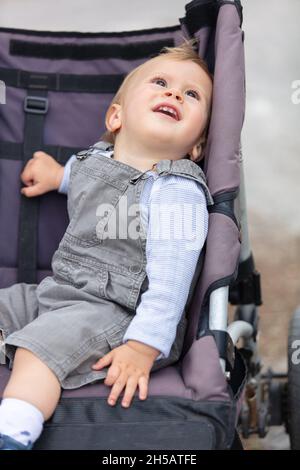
<point x="58" y="87"/>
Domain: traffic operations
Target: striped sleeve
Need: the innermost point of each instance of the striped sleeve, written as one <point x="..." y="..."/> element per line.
<point x="63" y="188"/>
<point x="177" y="228"/>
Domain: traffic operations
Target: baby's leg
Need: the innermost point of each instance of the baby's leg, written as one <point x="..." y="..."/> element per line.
<point x="32" y="381"/>
<point x="18" y="307"/>
<point x="29" y="399"/>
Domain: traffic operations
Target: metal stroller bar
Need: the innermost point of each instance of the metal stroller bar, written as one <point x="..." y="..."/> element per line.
<point x="242" y="206"/>
<point x="238" y="329"/>
<point x="218" y="320"/>
<point x="245" y="311"/>
<point x="218" y="313"/>
<point x="218" y="302"/>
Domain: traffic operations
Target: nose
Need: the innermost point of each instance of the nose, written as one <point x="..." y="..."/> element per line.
<point x="175" y="93"/>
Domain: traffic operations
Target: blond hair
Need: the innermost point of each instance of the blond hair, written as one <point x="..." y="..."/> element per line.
<point x="183" y="52"/>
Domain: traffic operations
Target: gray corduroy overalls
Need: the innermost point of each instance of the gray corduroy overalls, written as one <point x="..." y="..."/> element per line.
<point x="79" y="314"/>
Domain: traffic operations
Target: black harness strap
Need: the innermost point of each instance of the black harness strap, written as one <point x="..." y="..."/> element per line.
<point x="14" y="151"/>
<point x="108" y="83"/>
<point x="88" y="51"/>
<point x="35" y="108"/>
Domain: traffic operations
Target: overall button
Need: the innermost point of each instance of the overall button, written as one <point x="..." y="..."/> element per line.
<point x="135" y="269"/>
<point x="82" y="154"/>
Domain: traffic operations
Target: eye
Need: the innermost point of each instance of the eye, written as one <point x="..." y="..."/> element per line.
<point x="193" y="94"/>
<point x="159" y="81"/>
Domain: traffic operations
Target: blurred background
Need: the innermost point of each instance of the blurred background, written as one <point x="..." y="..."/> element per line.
<point x="270" y="138"/>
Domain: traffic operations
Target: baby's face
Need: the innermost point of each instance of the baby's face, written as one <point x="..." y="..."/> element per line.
<point x="167" y="104"/>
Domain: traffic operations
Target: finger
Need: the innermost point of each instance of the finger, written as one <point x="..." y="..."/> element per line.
<point x="39" y="154"/>
<point x="130" y="389"/>
<point x="34" y="190"/>
<point x="117" y="389"/>
<point x="143" y="387"/>
<point x="103" y="361"/>
<point x="27" y="175"/>
<point x="112" y="375"/>
<point x="29" y="163"/>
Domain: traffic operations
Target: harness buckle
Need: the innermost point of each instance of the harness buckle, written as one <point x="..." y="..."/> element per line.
<point x="36" y="105"/>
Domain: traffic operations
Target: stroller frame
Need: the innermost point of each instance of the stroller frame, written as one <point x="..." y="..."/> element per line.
<point x="266" y="400"/>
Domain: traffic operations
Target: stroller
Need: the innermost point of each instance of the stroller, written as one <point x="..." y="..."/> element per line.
<point x="198" y="402"/>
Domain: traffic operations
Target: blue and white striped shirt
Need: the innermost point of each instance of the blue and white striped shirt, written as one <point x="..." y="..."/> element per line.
<point x="171" y="260"/>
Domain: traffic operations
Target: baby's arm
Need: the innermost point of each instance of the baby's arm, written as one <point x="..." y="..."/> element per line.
<point x="41" y="174"/>
<point x="172" y="257"/>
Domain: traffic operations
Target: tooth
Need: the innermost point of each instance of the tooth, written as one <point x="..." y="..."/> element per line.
<point x="170" y="110"/>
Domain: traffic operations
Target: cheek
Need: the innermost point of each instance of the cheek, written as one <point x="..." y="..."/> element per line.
<point x="136" y="107"/>
<point x="129" y="115"/>
<point x="198" y="116"/>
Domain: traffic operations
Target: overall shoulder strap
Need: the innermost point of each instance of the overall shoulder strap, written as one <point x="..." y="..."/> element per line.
<point x="187" y="169"/>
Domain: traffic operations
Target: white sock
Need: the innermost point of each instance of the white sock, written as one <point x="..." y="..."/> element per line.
<point x="20" y="420"/>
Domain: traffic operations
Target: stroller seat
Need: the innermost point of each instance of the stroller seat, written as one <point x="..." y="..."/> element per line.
<point x="58" y="88"/>
<point x="180" y="412"/>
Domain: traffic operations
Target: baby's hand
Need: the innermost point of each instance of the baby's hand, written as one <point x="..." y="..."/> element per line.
<point x="130" y="366"/>
<point x="41" y="174"/>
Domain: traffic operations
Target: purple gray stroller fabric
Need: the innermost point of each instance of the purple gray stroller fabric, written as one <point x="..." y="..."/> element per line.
<point x="58" y="87"/>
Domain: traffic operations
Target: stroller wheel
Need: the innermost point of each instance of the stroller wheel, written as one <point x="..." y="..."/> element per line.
<point x="294" y="381"/>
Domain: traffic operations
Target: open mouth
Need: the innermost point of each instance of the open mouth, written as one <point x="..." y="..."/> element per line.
<point x="168" y="111"/>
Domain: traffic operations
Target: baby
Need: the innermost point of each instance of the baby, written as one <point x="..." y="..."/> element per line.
<point x="114" y="308"/>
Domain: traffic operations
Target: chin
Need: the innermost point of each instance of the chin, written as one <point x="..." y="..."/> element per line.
<point x="159" y="133"/>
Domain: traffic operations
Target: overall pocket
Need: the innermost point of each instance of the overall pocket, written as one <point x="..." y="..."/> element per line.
<point x="91" y="280"/>
<point x="95" y="205"/>
<point x="121" y="289"/>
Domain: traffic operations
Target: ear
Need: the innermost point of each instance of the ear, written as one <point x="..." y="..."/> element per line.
<point x="196" y="152"/>
<point x="113" y="119"/>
